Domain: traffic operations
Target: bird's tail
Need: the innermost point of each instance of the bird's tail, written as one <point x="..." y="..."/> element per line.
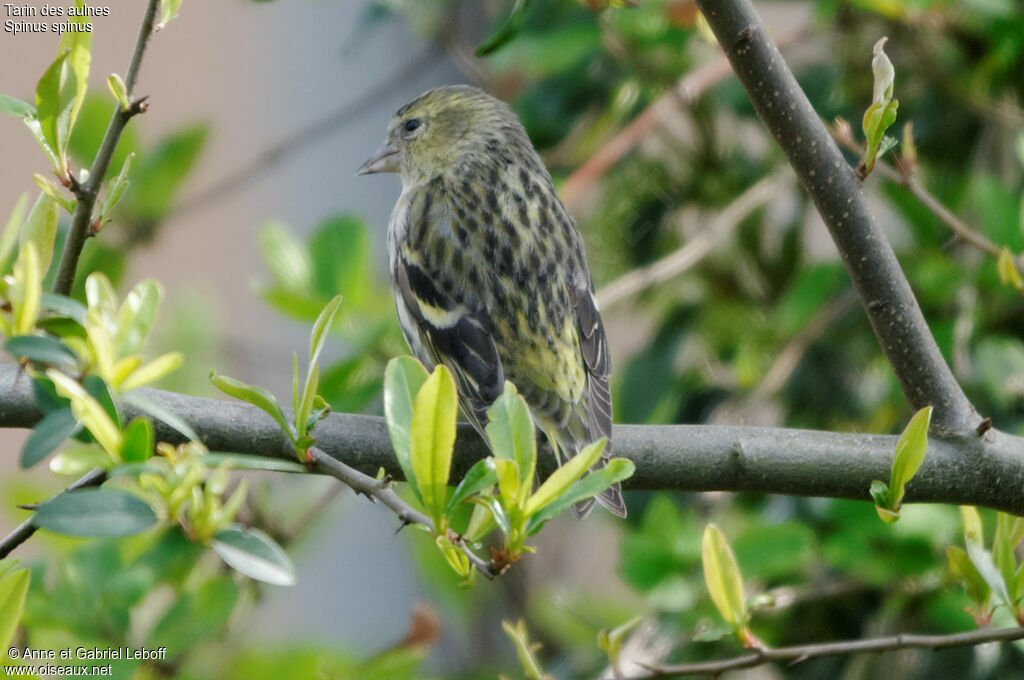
<point x="565" y="447"/>
<point x="610" y="498"/>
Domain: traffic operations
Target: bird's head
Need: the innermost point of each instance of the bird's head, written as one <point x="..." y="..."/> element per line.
<point x="440" y="129"/>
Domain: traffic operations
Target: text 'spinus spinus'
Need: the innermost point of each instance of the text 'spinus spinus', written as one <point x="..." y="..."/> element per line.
<point x="489" y="272"/>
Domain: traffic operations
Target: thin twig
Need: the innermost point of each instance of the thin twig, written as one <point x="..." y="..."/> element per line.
<point x="799" y="654"/>
<point x="27" y="528"/>
<point x="286" y="147"/>
<point x="888" y="300"/>
<point x="691" y="253"/>
<point x="86" y="193"/>
<point x="901" y="175"/>
<point x="381" y="490"/>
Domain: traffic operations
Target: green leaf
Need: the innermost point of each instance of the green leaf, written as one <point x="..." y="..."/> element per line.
<point x="136" y="316"/>
<point x="910" y="450"/>
<point x="100" y="295"/>
<point x="63" y="306"/>
<point x="97" y="387"/>
<point x="79" y="47"/>
<point x="478" y="478"/>
<point x="75" y="461"/>
<point x="255" y="395"/>
<point x="168" y="10"/>
<point x="11" y="232"/>
<point x="1009" y="275"/>
<point x="481" y="522"/>
<point x="432" y="440"/>
<point x="403" y="378"/>
<point x="512" y="437"/>
<point x="36" y="128"/>
<point x="960" y="564"/>
<point x="51" y="190"/>
<point x="610" y="641"/>
<point x="155" y="410"/>
<point x="47" y="435"/>
<point x="880" y="493"/>
<point x="41" y="349"/>
<point x="525" y="649"/>
<point x="119" y="90"/>
<point x="982" y="561"/>
<point x="306" y="402"/>
<point x="973" y="530"/>
<point x="13" y="589"/>
<point x="89" y="412"/>
<point x="316" y="344"/>
<point x="1009" y="530"/>
<point x="253" y="553"/>
<point x="321" y="327"/>
<point x="16" y="107"/>
<point x="25" y="302"/>
<point x="597" y="481"/>
<point x="139" y="441"/>
<point x="154" y="370"/>
<point x="723" y="578"/>
<point x="55" y="97"/>
<point x="564" y="477"/>
<point x="117" y="188"/>
<point x="882" y="112"/>
<point x="95" y="512"/>
<point x="241" y="461"/>
<point x="456" y="559"/>
<point x="508" y="29"/>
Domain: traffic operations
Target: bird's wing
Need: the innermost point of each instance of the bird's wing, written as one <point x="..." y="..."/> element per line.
<point x="454" y="334"/>
<point x="594" y="348"/>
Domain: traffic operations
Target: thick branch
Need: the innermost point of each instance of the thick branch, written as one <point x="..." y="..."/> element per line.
<point x="799" y="654"/>
<point x="833" y="186"/>
<point x="985" y="470"/>
<point x="86" y="194"/>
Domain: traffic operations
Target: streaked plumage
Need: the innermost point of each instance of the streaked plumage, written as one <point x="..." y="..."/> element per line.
<point x="489" y="270"/>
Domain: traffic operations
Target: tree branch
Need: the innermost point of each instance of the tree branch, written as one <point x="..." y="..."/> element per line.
<point x="799" y="654"/>
<point x="967" y="469"/>
<point x="26" y="528"/>
<point x="888" y="300"/>
<point x="380" y="490"/>
<point x="87" y="192"/>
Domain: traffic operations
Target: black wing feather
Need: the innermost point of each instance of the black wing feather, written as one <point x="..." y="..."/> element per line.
<point x="466" y="347"/>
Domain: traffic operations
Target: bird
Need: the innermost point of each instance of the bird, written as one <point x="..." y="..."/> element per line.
<point x="489" y="272"/>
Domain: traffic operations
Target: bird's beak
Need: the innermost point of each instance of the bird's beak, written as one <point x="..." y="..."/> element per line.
<point x="385" y="160"/>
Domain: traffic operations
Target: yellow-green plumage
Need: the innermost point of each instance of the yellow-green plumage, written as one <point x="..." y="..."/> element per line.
<point x="489" y="270"/>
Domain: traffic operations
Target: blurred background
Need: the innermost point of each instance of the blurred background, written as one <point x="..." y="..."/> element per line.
<point x="724" y="298"/>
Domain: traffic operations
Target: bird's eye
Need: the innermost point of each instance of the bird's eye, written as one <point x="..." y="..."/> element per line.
<point x="412" y="124"/>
